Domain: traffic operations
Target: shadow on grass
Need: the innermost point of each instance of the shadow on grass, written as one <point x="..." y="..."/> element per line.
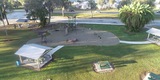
<point x="123" y="63"/>
<point x="72" y="65"/>
<point x="14" y="72"/>
<point x="82" y="65"/>
<point x="7" y="40"/>
<point x="81" y="58"/>
<point x="72" y="59"/>
<point x="117" y="51"/>
<point x="7" y="49"/>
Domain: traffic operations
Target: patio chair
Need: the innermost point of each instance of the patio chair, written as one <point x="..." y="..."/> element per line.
<point x="151" y="76"/>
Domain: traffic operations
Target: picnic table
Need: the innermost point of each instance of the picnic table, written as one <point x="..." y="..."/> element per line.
<point x="21" y="22"/>
<point x="154" y="35"/>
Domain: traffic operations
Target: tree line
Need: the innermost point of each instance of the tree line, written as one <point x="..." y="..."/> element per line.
<point x="135" y="16"/>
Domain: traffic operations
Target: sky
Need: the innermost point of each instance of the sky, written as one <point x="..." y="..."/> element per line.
<point x="157" y="1"/>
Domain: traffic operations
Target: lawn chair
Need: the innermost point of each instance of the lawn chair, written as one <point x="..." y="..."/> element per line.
<point x="151" y="76"/>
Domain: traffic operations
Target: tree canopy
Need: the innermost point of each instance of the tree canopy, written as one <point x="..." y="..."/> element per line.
<point x="37" y="10"/>
<point x="42" y="9"/>
<point x="149" y="2"/>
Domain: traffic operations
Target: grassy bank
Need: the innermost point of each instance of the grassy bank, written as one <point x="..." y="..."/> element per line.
<point x="75" y="63"/>
<point x="88" y="15"/>
<point x="120" y="32"/>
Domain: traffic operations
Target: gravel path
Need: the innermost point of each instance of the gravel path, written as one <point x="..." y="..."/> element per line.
<point x="83" y="35"/>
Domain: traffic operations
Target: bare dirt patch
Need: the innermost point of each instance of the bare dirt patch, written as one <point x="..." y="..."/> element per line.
<point x="80" y="36"/>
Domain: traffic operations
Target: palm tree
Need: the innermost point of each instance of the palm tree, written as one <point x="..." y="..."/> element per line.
<point x="135" y="16"/>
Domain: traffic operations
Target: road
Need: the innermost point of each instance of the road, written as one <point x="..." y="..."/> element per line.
<point x="18" y="14"/>
<point x="78" y="11"/>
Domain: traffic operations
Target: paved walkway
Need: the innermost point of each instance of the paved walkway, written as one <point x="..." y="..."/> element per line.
<point x="17" y="14"/>
<point x="89" y="21"/>
<point x="135" y="42"/>
<point x="155" y="23"/>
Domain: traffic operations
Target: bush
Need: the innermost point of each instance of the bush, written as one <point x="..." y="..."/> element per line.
<point x="135" y="16"/>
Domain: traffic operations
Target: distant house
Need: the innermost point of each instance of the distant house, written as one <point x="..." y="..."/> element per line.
<point x="84" y="4"/>
<point x="81" y="5"/>
<point x="157" y="1"/>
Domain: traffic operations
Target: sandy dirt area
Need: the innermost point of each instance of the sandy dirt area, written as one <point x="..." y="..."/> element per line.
<point x="79" y="37"/>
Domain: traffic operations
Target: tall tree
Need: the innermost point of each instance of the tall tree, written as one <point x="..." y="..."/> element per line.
<point x="22" y="1"/>
<point x="92" y="5"/>
<point x="124" y="2"/>
<point x="2" y="16"/>
<point x="149" y="2"/>
<point x="3" y="6"/>
<point x="64" y="5"/>
<point x="135" y="16"/>
<point x="38" y="10"/>
<point x="45" y="7"/>
<point x="111" y="2"/>
<point x="100" y="2"/>
<point x="16" y="4"/>
<point x="49" y="5"/>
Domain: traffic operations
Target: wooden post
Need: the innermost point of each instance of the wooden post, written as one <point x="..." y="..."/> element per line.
<point x="38" y="65"/>
<point x="20" y="58"/>
<point x="148" y="36"/>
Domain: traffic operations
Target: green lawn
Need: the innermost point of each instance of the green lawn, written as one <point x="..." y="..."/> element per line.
<point x="95" y="15"/>
<point x="88" y="15"/>
<point x="75" y="63"/>
<point x="120" y="32"/>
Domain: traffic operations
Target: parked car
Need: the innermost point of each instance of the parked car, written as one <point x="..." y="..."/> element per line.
<point x="71" y="10"/>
